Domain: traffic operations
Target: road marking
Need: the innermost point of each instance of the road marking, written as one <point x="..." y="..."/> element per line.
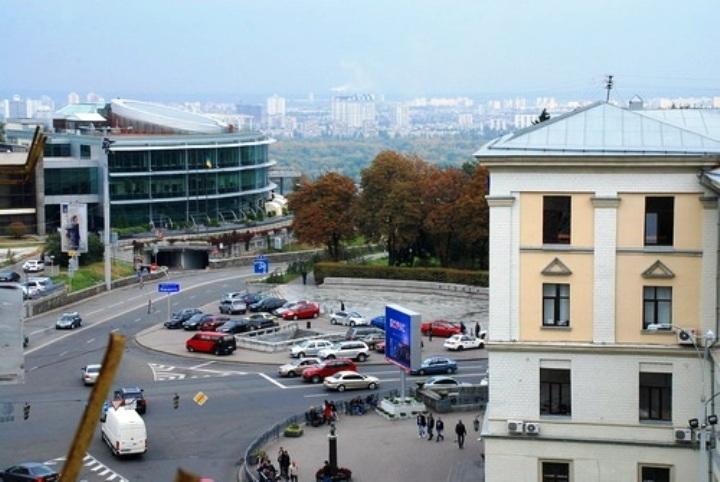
<point x="201" y="365"/>
<point x="97" y="470"/>
<point x="116" y="304"/>
<point x="162" y="373"/>
<point x="94" y="311"/>
<point x="114" y="330"/>
<point x="274" y="382"/>
<point x="136" y="320"/>
<point x="33" y="368"/>
<point x="39" y="331"/>
<point x="63" y="353"/>
<point x="90" y="340"/>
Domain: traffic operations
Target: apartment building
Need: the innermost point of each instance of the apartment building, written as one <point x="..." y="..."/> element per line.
<point x="603" y="287"/>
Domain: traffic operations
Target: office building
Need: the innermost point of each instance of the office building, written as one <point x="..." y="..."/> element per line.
<point x="353" y="111"/>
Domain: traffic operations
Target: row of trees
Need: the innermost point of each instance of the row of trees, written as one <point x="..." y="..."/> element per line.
<point x="418" y="210"/>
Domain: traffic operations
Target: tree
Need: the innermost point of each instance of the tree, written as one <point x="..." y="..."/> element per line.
<point x="323" y="211"/>
<point x="542" y="117"/>
<point x="17" y="229"/>
<point x="472" y="218"/>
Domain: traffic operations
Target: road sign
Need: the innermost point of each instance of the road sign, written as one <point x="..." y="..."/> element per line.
<point x="168" y="287"/>
<point x="261" y="265"/>
<point x="200" y="398"/>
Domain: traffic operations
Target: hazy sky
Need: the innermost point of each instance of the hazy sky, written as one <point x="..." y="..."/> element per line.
<point x="211" y="48"/>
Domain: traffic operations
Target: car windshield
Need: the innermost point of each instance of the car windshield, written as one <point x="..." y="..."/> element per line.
<point x="67" y="317"/>
<point x="92" y="369"/>
<point x="196" y="318"/>
<point x="40" y="470"/>
<point x="132" y="394"/>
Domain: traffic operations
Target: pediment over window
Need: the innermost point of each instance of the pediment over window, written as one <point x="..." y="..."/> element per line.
<point x="556" y="268"/>
<point x="658" y="270"/>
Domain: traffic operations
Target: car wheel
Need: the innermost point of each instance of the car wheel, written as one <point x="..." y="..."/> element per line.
<point x="341" y="388"/>
<point x="372" y="386"/>
<point x="450" y="370"/>
<point x="217" y="352"/>
<point x="316" y="379"/>
<point x="421" y="373"/>
<point x="482" y="345"/>
<point x="301" y="354"/>
<point x="330" y="357"/>
<point x="460" y="348"/>
<point x="292" y="374"/>
<point x="316" y="314"/>
<point x="362" y="357"/>
<point x="295" y="317"/>
<point x="333" y="321"/>
<point x="190" y="349"/>
<point x="352" y="323"/>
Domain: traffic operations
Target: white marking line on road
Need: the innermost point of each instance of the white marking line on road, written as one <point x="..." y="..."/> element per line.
<point x="136" y="297"/>
<point x="129" y="310"/>
<point x="201" y="365"/>
<point x="114" y="330"/>
<point x="89" y="313"/>
<point x="63" y="353"/>
<point x="192" y="297"/>
<point x="116" y="304"/>
<point x="274" y="382"/>
<point x="136" y="320"/>
<point x="39" y="331"/>
<point x="33" y="368"/>
<point x="90" y="340"/>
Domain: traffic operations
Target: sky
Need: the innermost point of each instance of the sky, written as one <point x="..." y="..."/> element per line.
<point x="400" y="48"/>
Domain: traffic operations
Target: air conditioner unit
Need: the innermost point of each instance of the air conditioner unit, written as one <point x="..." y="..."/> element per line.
<point x="683" y="435"/>
<point x="532" y="428"/>
<point x="515" y="426"/>
<point x="686" y="336"/>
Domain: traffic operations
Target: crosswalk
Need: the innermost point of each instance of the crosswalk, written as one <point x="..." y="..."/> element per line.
<point x="93" y="470"/>
<point x="163" y="373"/>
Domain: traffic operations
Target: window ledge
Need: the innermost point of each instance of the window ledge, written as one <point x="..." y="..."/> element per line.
<point x="565" y="418"/>
<point x="657" y="332"/>
<point x="662" y="423"/>
<point x="552" y="327"/>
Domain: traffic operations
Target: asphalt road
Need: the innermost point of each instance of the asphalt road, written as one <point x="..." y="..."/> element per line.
<point x="243" y="400"/>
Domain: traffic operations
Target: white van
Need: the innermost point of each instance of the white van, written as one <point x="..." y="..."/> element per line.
<point x="124" y="431"/>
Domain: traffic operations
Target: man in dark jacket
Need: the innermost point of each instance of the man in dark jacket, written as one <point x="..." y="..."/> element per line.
<point x="439" y="428"/>
<point x="460" y="431"/>
<point x="430" y="426"/>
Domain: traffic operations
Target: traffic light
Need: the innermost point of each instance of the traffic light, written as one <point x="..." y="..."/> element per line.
<point x="26" y="411"/>
<point x="176" y="401"/>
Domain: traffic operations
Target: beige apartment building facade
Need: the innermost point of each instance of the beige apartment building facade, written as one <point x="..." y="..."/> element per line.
<point x="603" y="286"/>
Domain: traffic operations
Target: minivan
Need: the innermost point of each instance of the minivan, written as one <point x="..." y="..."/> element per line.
<point x="211" y="342"/>
<point x="124" y="431"/>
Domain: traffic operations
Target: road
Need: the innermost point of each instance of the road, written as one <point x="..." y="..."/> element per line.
<point x="243" y="400"/>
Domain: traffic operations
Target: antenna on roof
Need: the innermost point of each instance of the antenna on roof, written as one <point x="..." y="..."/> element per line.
<point x="608" y="87"/>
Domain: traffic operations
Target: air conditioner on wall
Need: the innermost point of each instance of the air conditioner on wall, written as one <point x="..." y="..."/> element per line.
<point x="515" y="426"/>
<point x="683" y="435"/>
<point x="686" y="336"/>
<point x="532" y="428"/>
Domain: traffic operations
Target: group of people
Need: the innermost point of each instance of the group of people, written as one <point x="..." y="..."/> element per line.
<point x="288" y="468"/>
<point x="427" y="424"/>
<point x="319" y="416"/>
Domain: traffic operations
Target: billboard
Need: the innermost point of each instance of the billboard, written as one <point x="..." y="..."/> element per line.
<point x="73" y="227"/>
<point x="12" y="368"/>
<point x="402" y="337"/>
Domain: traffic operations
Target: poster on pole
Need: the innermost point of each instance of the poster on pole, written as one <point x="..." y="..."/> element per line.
<point x="402" y="337"/>
<point x="73" y="228"/>
<point x="12" y="361"/>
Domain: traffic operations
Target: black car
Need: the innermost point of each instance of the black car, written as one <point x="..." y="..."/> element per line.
<point x="251" y="298"/>
<point x="9" y="277"/>
<point x="235" y="326"/>
<point x="129" y="395"/>
<point x="259" y="321"/>
<point x="194" y="322"/>
<point x="268" y="304"/>
<point x="179" y="317"/>
<point x="29" y="471"/>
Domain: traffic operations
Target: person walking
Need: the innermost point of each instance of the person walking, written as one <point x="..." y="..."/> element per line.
<point x="477" y="330"/>
<point x="342" y="305"/>
<point x="430" y="426"/>
<point x="460" y="431"/>
<point x="294" y="470"/>
<point x="463" y="328"/>
<point x="421" y="422"/>
<point x="430" y="333"/>
<point x="439" y="428"/>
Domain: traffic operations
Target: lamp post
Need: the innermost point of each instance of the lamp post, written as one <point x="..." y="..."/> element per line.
<point x="106" y="143"/>
<point x="701" y="424"/>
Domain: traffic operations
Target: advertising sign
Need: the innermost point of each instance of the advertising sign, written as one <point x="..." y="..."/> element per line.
<point x="402" y="337"/>
<point x="11" y="335"/>
<point x="73" y="227"/>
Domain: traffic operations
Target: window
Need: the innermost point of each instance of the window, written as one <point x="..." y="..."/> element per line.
<point x="556" y="220"/>
<point x="656" y="396"/>
<point x="654" y="474"/>
<point x="556" y="304"/>
<point x="657" y="306"/>
<point x="555" y="391"/>
<point x="659" y="220"/>
<point x="555" y="472"/>
<point x="84" y="151"/>
<point x="57" y="150"/>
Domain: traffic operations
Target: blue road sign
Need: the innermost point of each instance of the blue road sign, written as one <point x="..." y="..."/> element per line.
<point x="261" y="265"/>
<point x="168" y="287"/>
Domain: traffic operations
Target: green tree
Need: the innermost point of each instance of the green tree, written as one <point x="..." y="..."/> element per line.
<point x="95" y="252"/>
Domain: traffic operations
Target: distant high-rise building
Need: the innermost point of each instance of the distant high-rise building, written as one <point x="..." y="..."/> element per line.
<point x="73" y="98"/>
<point x="521" y="121"/>
<point x="353" y="111"/>
<point x="18" y="108"/>
<point x="401" y="118"/>
<point x="465" y="121"/>
<point x="252" y="110"/>
<point x="4" y="108"/>
<point x="92" y="97"/>
<point x="275" y="106"/>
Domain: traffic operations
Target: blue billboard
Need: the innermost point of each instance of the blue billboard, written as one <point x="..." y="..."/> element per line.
<point x="402" y="337"/>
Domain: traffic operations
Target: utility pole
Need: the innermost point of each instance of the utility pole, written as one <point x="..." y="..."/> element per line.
<point x="106" y="143"/>
<point x="608" y="87"/>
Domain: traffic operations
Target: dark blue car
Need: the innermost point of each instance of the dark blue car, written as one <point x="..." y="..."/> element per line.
<point x="436" y="364"/>
<point x="378" y="322"/>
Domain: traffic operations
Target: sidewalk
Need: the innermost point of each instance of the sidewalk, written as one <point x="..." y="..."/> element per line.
<point x="379" y="450"/>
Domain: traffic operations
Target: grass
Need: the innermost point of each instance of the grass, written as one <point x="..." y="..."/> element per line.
<point x="376" y="262"/>
<point x="93" y="274"/>
<point x="275" y="278"/>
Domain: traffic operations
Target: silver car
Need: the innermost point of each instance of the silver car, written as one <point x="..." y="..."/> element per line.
<point x="296" y="368"/>
<point x="357" y="350"/>
<point x="351" y="318"/>
<point x="349" y="380"/>
<point x="90" y="374"/>
<point x="309" y="348"/>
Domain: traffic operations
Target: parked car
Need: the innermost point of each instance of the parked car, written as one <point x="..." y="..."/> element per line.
<point x="309" y="348"/>
<point x="235" y="327"/>
<point x="211" y="342"/>
<point x="350" y="380"/>
<point x="297" y="367"/>
<point x="440" y="382"/>
<point x="259" y="321"/>
<point x="378" y="322"/>
<point x="132" y="397"/>
<point x="68" y="321"/>
<point x="179" y="317"/>
<point x="213" y="324"/>
<point x="267" y="304"/>
<point x="233" y="307"/>
<point x="194" y="322"/>
<point x="33" y="266"/>
<point x="347" y="349"/>
<point x="327" y="368"/>
<point x="29" y="291"/>
<point x="124" y="432"/>
<point x="302" y="310"/>
<point x="90" y="373"/>
<point x="436" y="364"/>
<point x="251" y="298"/>
<point x="29" y="472"/>
<point x="380" y="346"/>
<point x="372" y="339"/>
<point x="441" y="328"/>
<point x="358" y="332"/>
<point x="9" y="277"/>
<point x="351" y="318"/>
<point x="463" y="342"/>
<point x="287" y="306"/>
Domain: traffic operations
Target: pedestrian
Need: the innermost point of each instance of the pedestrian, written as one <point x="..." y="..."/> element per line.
<point x="342" y="305"/>
<point x="304" y="276"/>
<point x="421" y="423"/>
<point x="430" y="334"/>
<point x="439" y="428"/>
<point x="284" y="462"/>
<point x="430" y="426"/>
<point x="294" y="470"/>
<point x="327" y="412"/>
<point x="460" y="431"/>
<point x="477" y="330"/>
<point x="333" y="411"/>
<point x="463" y="328"/>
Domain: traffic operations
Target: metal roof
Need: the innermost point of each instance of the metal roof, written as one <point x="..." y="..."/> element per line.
<point x="603" y="129"/>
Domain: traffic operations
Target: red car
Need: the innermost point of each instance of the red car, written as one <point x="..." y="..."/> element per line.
<point x="302" y="310"/>
<point x="327" y="368"/>
<point x="380" y="346"/>
<point x="440" y="328"/>
<point x="213" y="323"/>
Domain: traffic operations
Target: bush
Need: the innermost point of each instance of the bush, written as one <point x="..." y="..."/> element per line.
<point x="293" y="430"/>
<point x="323" y="270"/>
<point x="132" y="230"/>
<point x="17" y="229"/>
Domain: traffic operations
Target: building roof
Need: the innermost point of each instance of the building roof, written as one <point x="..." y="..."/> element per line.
<point x="167" y="117"/>
<point x="74" y="109"/>
<point x="603" y="129"/>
